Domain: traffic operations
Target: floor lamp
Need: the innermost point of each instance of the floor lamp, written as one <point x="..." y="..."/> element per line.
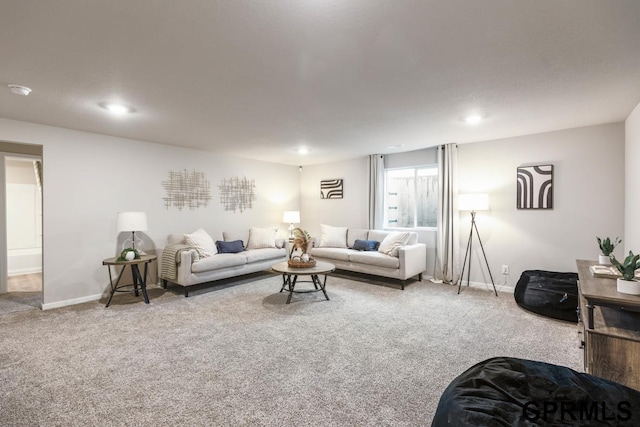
<point x="473" y="203"/>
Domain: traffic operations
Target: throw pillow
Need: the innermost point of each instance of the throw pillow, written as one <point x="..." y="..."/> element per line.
<point x="366" y="245"/>
<point x="261" y="238"/>
<point x="232" y="247"/>
<point x="333" y="237"/>
<point x="393" y="241"/>
<point x="202" y="241"/>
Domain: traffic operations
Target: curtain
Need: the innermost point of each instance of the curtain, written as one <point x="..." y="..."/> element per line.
<point x="447" y="268"/>
<point x="376" y="191"/>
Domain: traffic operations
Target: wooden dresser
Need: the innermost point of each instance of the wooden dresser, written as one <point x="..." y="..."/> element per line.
<point x="609" y="325"/>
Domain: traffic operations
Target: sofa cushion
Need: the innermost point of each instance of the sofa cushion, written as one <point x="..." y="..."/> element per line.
<point x="202" y="241"/>
<point x="263" y="254"/>
<point x="378" y="235"/>
<point x="341" y="254"/>
<point x="376" y="259"/>
<point x="393" y="241"/>
<point x="354" y="234"/>
<point x="232" y="247"/>
<point x="333" y="237"/>
<point x="261" y="238"/>
<point x="365" y="245"/>
<point x="218" y="261"/>
<point x="230" y="236"/>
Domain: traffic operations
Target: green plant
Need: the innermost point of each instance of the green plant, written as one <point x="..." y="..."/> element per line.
<point x="628" y="267"/>
<point x="123" y="254"/>
<point x="606" y="246"/>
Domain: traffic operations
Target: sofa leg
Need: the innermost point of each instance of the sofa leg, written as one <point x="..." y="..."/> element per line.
<point x="164" y="283"/>
<point x="420" y="277"/>
<point x="186" y="292"/>
<point x="402" y="282"/>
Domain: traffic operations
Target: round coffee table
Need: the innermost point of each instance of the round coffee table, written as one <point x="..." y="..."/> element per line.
<point x="289" y="284"/>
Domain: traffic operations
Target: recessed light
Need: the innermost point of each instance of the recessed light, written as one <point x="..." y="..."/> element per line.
<point x="118" y="109"/>
<point x="473" y="119"/>
<point x="19" y="90"/>
<point x="303" y="150"/>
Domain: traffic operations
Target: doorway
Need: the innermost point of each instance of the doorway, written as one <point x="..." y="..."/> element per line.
<point x="21" y="278"/>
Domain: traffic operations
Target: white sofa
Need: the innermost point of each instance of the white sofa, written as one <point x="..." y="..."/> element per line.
<point x="183" y="262"/>
<point x="411" y="259"/>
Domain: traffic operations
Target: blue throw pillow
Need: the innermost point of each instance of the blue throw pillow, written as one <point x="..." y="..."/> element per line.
<point x="232" y="247"/>
<point x="366" y="245"/>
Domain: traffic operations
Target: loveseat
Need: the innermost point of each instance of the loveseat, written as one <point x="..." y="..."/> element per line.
<point x="396" y="255"/>
<point x="199" y="257"/>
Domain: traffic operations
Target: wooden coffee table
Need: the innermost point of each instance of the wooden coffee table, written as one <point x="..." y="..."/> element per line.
<point x="289" y="284"/>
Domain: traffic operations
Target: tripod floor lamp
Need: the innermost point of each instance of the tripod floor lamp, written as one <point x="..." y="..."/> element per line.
<point x="473" y="203"/>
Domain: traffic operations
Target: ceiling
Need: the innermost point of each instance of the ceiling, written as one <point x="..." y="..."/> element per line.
<point x="345" y="78"/>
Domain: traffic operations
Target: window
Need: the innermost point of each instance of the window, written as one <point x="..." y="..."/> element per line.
<point x="411" y="197"/>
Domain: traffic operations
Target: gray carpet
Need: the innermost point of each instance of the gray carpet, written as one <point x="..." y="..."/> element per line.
<point x="235" y="354"/>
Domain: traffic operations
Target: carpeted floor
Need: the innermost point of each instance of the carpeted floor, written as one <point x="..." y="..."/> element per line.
<point x="235" y="354"/>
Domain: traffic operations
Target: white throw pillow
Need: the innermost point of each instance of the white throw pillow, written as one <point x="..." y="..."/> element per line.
<point x="393" y="241"/>
<point x="261" y="238"/>
<point x="201" y="240"/>
<point x="333" y="237"/>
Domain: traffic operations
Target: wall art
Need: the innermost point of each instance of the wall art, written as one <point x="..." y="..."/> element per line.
<point x="535" y="187"/>
<point x="237" y="194"/>
<point x="186" y="188"/>
<point x="331" y="189"/>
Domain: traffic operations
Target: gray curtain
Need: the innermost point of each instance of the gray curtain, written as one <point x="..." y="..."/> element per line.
<point x="376" y="191"/>
<point x="447" y="268"/>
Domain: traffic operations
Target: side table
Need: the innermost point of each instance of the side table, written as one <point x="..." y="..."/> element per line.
<point x="138" y="279"/>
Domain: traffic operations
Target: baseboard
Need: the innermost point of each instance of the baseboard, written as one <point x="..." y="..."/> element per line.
<point x="67" y="302"/>
<point x="20" y="272"/>
<point x="489" y="287"/>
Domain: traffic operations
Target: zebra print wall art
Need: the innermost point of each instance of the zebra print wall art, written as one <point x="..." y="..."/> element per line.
<point x="331" y="189"/>
<point x="535" y="187"/>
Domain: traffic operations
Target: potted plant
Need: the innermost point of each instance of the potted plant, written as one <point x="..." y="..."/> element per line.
<point x="128" y="254"/>
<point x="628" y="284"/>
<point x="606" y="247"/>
<point x="304" y="242"/>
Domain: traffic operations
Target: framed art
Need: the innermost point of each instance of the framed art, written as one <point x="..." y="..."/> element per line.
<point x="535" y="187"/>
<point x="331" y="189"/>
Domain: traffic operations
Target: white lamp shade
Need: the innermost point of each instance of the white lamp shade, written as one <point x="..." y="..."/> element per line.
<point x="473" y="202"/>
<point x="131" y="221"/>
<point x="292" y="217"/>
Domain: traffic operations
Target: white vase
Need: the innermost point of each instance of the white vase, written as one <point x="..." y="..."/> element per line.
<point x="631" y="287"/>
<point x="604" y="260"/>
<point x="129" y="256"/>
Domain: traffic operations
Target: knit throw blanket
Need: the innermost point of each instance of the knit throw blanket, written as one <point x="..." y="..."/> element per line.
<point x="171" y="260"/>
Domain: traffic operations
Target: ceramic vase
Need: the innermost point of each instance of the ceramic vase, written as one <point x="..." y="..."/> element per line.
<point x="604" y="260"/>
<point x="129" y="256"/>
<point x="631" y="287"/>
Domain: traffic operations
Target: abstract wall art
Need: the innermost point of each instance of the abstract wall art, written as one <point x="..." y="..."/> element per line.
<point x="237" y="194"/>
<point x="535" y="187"/>
<point x="186" y="188"/>
<point x="331" y="189"/>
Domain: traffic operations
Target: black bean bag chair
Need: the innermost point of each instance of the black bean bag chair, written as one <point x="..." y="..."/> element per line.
<point x="549" y="293"/>
<point x="505" y="391"/>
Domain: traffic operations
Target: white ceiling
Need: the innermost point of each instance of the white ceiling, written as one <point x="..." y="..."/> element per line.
<point x="345" y="78"/>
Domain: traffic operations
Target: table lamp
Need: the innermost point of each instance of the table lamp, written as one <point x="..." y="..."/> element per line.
<point x="131" y="221"/>
<point x="292" y="217"/>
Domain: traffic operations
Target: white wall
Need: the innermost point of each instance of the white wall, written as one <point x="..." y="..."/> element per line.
<point x="632" y="180"/>
<point x="88" y="178"/>
<point x="588" y="184"/>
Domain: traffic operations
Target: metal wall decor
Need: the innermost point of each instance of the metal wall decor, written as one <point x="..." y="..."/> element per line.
<point x="237" y="194"/>
<point x="535" y="187"/>
<point x="186" y="188"/>
<point x="331" y="189"/>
